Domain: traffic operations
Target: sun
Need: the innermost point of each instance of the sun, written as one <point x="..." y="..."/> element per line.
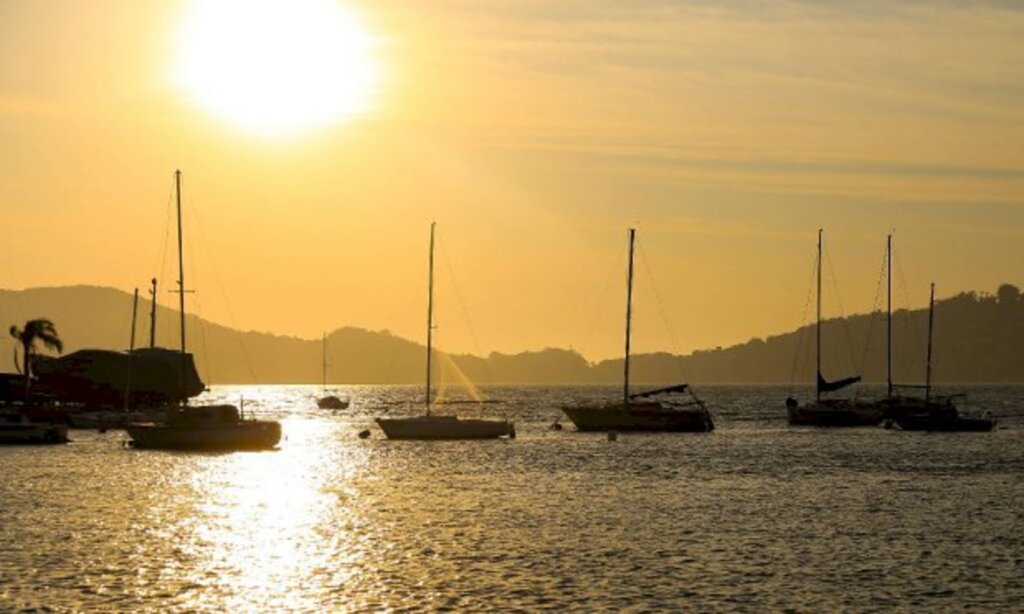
<point x="276" y="67"/>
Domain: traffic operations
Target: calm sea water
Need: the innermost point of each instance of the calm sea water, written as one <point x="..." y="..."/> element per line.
<point x="754" y="516"/>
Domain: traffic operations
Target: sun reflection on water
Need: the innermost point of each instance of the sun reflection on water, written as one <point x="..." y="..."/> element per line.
<point x="263" y="528"/>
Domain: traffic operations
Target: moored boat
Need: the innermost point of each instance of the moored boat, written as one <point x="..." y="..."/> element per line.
<point x="833" y="412"/>
<point x="329" y="401"/>
<point x="939" y="414"/>
<point x="445" y="427"/>
<point x="658" y="411"/>
<point x="204" y="427"/>
<point x="16" y="429"/>
<point x="431" y="426"/>
<point x="645" y="416"/>
<point x="208" y="427"/>
<point x="933" y="413"/>
<point x="830" y="412"/>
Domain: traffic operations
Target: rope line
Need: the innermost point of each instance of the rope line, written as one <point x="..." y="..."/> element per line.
<point x="194" y="215"/>
<point x="802" y="328"/>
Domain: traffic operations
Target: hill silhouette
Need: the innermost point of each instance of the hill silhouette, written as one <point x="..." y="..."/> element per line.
<point x="978" y="338"/>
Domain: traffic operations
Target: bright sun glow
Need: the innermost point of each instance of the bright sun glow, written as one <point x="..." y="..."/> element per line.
<point x="276" y="67"/>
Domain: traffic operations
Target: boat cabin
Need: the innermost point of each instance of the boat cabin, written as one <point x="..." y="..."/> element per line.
<point x="204" y="415"/>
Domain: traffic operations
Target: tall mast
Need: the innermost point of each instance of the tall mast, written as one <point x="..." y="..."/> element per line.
<point x="131" y="351"/>
<point x="928" y="365"/>
<point x="629" y="318"/>
<point x="817" y="388"/>
<point x="152" y="315"/>
<point x="181" y="282"/>
<point x="888" y="316"/>
<point x="430" y="313"/>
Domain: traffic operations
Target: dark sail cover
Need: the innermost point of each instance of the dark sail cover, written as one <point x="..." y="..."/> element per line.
<point x="99" y="377"/>
<point x="651" y="393"/>
<point x="827" y="386"/>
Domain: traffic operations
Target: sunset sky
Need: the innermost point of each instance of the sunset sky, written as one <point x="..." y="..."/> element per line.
<point x="317" y="142"/>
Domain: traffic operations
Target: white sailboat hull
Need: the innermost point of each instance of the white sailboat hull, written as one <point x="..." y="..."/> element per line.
<point x="445" y="427"/>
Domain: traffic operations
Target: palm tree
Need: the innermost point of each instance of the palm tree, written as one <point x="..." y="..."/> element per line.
<point x="41" y="330"/>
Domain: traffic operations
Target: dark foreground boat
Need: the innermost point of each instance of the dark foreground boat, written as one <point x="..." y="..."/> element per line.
<point x="830" y="412"/>
<point x="331" y="402"/>
<point x="210" y="427"/>
<point x="933" y="413"/>
<point x="833" y="412"/>
<point x="445" y="427"/>
<point x="655" y="411"/>
<point x="100" y="378"/>
<point x="644" y="416"/>
<point x="940" y="414"/>
<point x="430" y="426"/>
<point x="16" y="429"/>
<point x="206" y="427"/>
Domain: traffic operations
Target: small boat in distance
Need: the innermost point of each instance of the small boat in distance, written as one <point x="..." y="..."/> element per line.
<point x="831" y="412"/>
<point x="203" y="427"/>
<point x="651" y="411"/>
<point x="938" y="413"/>
<point x="430" y="426"/>
<point x="329" y="401"/>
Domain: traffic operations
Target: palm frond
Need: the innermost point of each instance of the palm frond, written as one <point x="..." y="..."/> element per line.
<point x="51" y="341"/>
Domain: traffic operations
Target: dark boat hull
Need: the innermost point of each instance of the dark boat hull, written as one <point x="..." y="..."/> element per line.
<point x="835" y="413"/>
<point x="438" y="428"/>
<point x="917" y="422"/>
<point x="32" y="433"/>
<point x="942" y="416"/>
<point x="247" y="435"/>
<point x="641" y="417"/>
<point x="331" y="402"/>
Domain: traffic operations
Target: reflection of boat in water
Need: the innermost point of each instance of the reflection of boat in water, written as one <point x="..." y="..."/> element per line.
<point x="329" y="401"/>
<point x="830" y="412"/>
<point x="16" y="429"/>
<point x="208" y="427"/>
<point x="653" y="411"/>
<point x="932" y="413"/>
<point x="205" y="427"/>
<point x="436" y="427"/>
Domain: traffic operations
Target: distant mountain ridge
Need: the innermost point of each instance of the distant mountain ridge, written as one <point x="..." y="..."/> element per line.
<point x="979" y="338"/>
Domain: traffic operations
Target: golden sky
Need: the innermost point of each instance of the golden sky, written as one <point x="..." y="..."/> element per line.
<point x="534" y="133"/>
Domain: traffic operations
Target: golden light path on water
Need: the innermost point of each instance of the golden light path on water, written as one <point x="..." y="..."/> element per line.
<point x="265" y="527"/>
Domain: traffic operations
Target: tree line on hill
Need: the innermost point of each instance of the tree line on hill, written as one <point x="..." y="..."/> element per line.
<point x="978" y="337"/>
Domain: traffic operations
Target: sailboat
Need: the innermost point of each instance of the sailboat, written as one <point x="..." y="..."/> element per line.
<point x="207" y="427"/>
<point x="831" y="411"/>
<point x="329" y="401"/>
<point x="431" y="425"/>
<point x="932" y="413"/>
<point x="653" y="411"/>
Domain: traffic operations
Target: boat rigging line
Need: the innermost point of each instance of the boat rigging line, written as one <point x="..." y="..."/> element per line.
<point x="194" y="217"/>
<point x="876" y="310"/>
<point x="803" y="326"/>
<point x="842" y="314"/>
